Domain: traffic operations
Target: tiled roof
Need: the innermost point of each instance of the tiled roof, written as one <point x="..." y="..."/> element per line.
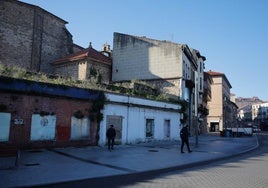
<point x="213" y="73"/>
<point x="89" y="52"/>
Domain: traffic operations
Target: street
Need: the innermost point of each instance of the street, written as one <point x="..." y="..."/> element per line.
<point x="247" y="170"/>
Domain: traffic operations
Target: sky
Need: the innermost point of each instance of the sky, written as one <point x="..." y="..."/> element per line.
<point x="231" y="34"/>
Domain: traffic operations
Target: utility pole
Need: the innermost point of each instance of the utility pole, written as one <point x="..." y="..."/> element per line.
<point x="196" y="109"/>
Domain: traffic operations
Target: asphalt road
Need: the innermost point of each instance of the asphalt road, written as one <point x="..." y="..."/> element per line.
<point x="247" y="170"/>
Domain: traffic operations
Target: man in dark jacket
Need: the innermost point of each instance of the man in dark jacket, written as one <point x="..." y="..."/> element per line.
<point x="184" y="138"/>
<point x="110" y="133"/>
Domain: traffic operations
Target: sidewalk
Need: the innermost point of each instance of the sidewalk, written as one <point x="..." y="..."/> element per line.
<point x="38" y="167"/>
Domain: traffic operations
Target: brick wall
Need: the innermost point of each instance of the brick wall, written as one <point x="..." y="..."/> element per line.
<point x="22" y="106"/>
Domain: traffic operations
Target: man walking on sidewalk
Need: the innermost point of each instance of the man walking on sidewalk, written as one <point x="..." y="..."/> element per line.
<point x="111" y="136"/>
<point x="184" y="134"/>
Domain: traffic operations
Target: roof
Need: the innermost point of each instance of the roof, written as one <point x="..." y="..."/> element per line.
<point x="219" y="74"/>
<point x="86" y="53"/>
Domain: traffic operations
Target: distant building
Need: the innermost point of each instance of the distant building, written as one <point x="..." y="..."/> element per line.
<point x="260" y="115"/>
<point x="220" y="107"/>
<point x="247" y="108"/>
<point x="242" y="102"/>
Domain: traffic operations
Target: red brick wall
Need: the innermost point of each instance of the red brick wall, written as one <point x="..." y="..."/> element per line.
<point x="22" y="106"/>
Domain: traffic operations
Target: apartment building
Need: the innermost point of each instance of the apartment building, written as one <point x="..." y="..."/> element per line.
<point x="174" y="69"/>
<point x="260" y="115"/>
<point x="221" y="108"/>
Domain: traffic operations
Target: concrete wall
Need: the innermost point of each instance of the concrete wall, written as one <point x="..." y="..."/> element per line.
<point x="141" y="58"/>
<point x="133" y="113"/>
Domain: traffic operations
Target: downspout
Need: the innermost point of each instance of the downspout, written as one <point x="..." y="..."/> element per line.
<point x="127" y="118"/>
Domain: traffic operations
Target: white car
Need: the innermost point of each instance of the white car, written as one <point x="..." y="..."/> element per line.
<point x="256" y="129"/>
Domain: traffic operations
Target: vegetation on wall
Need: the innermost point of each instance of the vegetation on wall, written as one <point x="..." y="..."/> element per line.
<point x="95" y="113"/>
<point x="78" y="114"/>
<point x="203" y="111"/>
<point x="184" y="106"/>
<point x="95" y="75"/>
<point x="123" y="88"/>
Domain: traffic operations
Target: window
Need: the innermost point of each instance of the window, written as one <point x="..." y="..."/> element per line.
<point x="80" y="128"/>
<point x="149" y="128"/>
<point x="167" y="128"/>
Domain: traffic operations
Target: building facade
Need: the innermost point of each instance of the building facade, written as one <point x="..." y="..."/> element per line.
<point x="31" y="37"/>
<point x="86" y="64"/>
<point x="168" y="66"/>
<point x="260" y="115"/>
<point x="220" y="106"/>
<point x="60" y="116"/>
<point x="40" y="115"/>
<point x="139" y="120"/>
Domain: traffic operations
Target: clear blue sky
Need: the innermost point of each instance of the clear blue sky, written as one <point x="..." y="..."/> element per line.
<point x="231" y="34"/>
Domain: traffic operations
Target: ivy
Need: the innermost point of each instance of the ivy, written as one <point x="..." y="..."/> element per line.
<point x="95" y="112"/>
<point x="78" y="114"/>
<point x="203" y="110"/>
<point x="184" y="106"/>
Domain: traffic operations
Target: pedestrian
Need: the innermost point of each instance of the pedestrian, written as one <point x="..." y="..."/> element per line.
<point x="184" y="138"/>
<point x="110" y="133"/>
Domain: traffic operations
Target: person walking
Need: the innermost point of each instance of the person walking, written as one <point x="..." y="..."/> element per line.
<point x="184" y="134"/>
<point x="110" y="133"/>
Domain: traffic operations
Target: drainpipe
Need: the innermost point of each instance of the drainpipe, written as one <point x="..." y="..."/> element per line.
<point x="127" y="119"/>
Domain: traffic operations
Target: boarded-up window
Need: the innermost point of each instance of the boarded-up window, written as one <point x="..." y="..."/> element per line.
<point x="43" y="127"/>
<point x="117" y="122"/>
<point x="149" y="128"/>
<point x="4" y="126"/>
<point x="167" y="128"/>
<point x="80" y="128"/>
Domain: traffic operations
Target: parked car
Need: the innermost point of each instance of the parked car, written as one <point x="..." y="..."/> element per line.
<point x="256" y="129"/>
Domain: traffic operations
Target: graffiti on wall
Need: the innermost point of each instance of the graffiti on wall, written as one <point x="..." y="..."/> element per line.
<point x="43" y="127"/>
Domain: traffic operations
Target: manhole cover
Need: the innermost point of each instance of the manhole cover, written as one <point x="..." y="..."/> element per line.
<point x="32" y="164"/>
<point x="153" y="150"/>
<point x="35" y="151"/>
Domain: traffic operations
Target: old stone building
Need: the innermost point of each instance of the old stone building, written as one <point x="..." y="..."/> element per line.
<point x="31" y="37"/>
<point x="87" y="64"/>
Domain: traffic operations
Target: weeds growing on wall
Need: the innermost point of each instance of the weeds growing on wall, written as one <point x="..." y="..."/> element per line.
<point x="123" y="88"/>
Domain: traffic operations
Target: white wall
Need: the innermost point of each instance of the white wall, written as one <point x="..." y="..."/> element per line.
<point x="134" y="118"/>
